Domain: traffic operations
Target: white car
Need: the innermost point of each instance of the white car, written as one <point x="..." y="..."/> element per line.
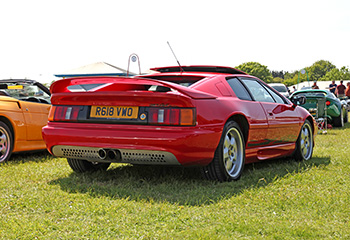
<point x="281" y="88"/>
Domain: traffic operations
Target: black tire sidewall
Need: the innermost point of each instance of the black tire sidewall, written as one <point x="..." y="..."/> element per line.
<point x="81" y="166"/>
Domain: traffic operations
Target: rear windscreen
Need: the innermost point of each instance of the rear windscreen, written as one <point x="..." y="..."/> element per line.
<point x="181" y="80"/>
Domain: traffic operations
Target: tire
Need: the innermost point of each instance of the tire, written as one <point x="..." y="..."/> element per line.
<point x="81" y="166"/>
<point x="229" y="157"/>
<point x="346" y="116"/>
<point x="6" y="142"/>
<point x="339" y="121"/>
<point x="305" y="144"/>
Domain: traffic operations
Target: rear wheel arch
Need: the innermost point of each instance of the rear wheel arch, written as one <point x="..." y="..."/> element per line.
<point x="243" y="124"/>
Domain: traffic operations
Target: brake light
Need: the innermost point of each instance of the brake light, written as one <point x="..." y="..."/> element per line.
<point x="64" y="113"/>
<point x="172" y="116"/>
<point x="328" y="103"/>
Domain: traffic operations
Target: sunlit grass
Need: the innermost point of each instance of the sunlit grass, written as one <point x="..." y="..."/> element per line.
<point x="41" y="198"/>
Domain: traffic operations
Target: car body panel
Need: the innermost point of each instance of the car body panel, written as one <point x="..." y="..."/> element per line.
<point x="270" y="130"/>
<point x="24" y="118"/>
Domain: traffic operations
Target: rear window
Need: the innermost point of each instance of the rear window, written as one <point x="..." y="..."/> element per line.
<point x="239" y="89"/>
<point x="181" y="80"/>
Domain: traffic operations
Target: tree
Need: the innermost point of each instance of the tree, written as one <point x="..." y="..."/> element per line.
<point x="277" y="80"/>
<point x="319" y="69"/>
<point x="256" y="69"/>
<point x="337" y="74"/>
<point x="277" y="74"/>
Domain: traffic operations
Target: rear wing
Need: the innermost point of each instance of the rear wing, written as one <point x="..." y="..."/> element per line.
<point x="123" y="85"/>
<point x="199" y="68"/>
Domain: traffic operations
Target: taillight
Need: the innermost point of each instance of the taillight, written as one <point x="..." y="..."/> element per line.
<point x="172" y="116"/>
<point x="328" y="103"/>
<point x="64" y="113"/>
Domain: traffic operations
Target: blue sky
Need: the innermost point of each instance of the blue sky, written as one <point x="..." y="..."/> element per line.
<point x="41" y="38"/>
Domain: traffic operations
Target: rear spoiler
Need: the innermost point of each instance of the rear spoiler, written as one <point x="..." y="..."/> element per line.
<point x="124" y="84"/>
<point x="199" y="69"/>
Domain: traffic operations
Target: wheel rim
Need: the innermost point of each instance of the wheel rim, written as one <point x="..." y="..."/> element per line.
<point x="233" y="152"/>
<point x="306" y="141"/>
<point x="4" y="144"/>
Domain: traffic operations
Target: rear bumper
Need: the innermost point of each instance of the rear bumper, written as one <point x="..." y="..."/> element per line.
<point x="135" y="144"/>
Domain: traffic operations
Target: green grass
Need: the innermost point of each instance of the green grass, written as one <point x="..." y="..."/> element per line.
<point x="41" y="198"/>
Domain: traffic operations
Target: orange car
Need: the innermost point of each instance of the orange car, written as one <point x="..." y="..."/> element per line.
<point x="24" y="108"/>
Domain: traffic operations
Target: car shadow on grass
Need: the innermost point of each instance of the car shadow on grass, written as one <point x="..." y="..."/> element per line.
<point x="31" y="156"/>
<point x="178" y="185"/>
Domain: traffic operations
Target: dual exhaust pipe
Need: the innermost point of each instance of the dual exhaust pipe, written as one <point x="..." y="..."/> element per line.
<point x="109" y="154"/>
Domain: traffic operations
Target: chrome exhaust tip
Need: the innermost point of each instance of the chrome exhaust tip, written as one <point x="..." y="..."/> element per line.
<point x="102" y="154"/>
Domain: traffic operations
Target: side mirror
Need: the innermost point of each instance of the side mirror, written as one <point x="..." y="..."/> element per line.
<point x="298" y="100"/>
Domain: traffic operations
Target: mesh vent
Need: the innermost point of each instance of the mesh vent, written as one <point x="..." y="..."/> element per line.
<point x="143" y="157"/>
<point x="79" y="153"/>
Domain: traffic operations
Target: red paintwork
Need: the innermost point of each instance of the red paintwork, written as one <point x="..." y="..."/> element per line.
<point x="271" y="129"/>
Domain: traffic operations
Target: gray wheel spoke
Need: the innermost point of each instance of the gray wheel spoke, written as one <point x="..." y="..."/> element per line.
<point x="227" y="142"/>
<point x="3" y="139"/>
<point x="226" y="156"/>
<point x="229" y="164"/>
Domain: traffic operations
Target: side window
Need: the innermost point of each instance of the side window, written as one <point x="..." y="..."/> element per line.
<point x="257" y="90"/>
<point x="276" y="96"/>
<point x="240" y="91"/>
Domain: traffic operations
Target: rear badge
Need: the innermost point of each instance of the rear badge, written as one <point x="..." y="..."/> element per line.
<point x="143" y="116"/>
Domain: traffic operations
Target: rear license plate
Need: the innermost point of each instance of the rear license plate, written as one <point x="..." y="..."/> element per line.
<point x="118" y="112"/>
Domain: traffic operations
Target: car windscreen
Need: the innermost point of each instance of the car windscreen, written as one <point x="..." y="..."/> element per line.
<point x="23" y="90"/>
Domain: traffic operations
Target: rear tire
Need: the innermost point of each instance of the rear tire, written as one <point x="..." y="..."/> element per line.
<point x="339" y="121"/>
<point x="305" y="143"/>
<point x="346" y="116"/>
<point x="229" y="158"/>
<point x="82" y="166"/>
<point x="6" y="142"/>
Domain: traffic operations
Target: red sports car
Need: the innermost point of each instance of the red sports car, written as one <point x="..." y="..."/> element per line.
<point x="216" y="118"/>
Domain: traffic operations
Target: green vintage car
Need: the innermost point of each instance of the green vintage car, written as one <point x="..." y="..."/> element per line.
<point x="323" y="103"/>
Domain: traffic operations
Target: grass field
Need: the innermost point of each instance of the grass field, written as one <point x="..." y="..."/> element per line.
<point x="41" y="198"/>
